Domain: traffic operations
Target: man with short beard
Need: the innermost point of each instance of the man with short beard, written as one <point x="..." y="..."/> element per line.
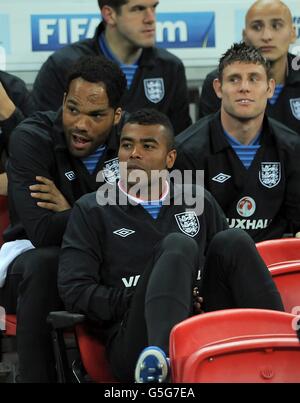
<point x="269" y="28"/>
<point x="54" y="159"/>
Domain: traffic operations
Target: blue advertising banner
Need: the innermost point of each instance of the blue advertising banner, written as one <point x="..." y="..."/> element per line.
<point x="174" y="30"/>
<point x="53" y="31"/>
<point x="186" y="30"/>
<point x="296" y="21"/>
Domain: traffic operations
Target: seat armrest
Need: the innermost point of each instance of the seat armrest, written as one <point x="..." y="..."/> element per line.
<point x="64" y="319"/>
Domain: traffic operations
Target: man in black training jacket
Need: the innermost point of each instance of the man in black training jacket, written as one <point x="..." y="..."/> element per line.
<point x="155" y="77"/>
<point x="269" y="28"/>
<point x="251" y="162"/>
<point x="133" y="253"/>
<point x="54" y="159"/>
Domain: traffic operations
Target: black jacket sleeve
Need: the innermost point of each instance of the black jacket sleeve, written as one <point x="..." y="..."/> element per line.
<point x="79" y="278"/>
<point x="292" y="206"/>
<point x="30" y="156"/>
<point x="214" y="215"/>
<point x="179" y="111"/>
<point x="22" y="99"/>
<point x="209" y="102"/>
<point x="49" y="85"/>
<point x="8" y="125"/>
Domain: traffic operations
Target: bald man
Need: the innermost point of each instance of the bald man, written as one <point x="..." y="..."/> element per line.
<point x="268" y="27"/>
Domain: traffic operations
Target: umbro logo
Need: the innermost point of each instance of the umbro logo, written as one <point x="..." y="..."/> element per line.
<point x="221" y="178"/>
<point x="70" y="175"/>
<point x="124" y="232"/>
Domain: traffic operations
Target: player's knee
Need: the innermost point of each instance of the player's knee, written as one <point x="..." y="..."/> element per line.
<point x="180" y="243"/>
<point x="41" y="265"/>
<point x="231" y="239"/>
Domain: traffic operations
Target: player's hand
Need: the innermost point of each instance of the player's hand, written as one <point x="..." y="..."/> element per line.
<point x="197" y="301"/>
<point x="50" y="198"/>
<point x="7" y="107"/>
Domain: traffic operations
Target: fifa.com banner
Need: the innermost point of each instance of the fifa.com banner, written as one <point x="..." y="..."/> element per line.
<point x="197" y="31"/>
<point x="176" y="30"/>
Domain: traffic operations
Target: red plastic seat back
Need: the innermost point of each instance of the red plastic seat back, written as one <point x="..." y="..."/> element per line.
<point x="257" y="360"/>
<point x="279" y="250"/>
<point x="11" y="325"/>
<point x="211" y="329"/>
<point x="287" y="279"/>
<point x="93" y="356"/>
<point x="4" y="217"/>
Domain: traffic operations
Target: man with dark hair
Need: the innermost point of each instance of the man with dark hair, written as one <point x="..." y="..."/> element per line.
<point x="137" y="295"/>
<point x="241" y="53"/>
<point x="251" y="162"/>
<point x="269" y="28"/>
<point x="155" y="77"/>
<point x="15" y="104"/>
<point x="54" y="160"/>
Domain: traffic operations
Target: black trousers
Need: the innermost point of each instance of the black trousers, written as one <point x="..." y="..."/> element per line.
<point x="234" y="276"/>
<point x="31" y="291"/>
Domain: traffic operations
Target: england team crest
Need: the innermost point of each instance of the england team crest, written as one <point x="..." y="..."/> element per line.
<point x="270" y="174"/>
<point x="111" y="171"/>
<point x="188" y="223"/>
<point x="154" y="89"/>
<point x="295" y="107"/>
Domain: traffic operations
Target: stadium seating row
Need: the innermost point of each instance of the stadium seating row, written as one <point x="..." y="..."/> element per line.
<point x="236" y="345"/>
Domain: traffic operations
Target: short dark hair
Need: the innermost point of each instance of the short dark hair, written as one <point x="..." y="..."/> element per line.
<point x="148" y="116"/>
<point x="96" y="69"/>
<point x="115" y="4"/>
<point x="240" y="52"/>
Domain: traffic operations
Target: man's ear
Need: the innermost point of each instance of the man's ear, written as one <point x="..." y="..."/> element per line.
<point x="217" y="87"/>
<point x="108" y="15"/>
<point x="171" y="157"/>
<point x="293" y="35"/>
<point x="118" y="115"/>
<point x="271" y="87"/>
<point x="64" y="99"/>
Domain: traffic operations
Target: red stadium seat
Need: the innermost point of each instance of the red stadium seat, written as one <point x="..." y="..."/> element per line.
<point x="91" y="363"/>
<point x="92" y="353"/>
<point x="10" y="320"/>
<point x="287" y="279"/>
<point x="10" y="325"/>
<point x="279" y="250"/>
<point x="237" y="345"/>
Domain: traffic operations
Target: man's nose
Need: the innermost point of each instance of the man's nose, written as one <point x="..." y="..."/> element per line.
<point x="136" y="152"/>
<point x="150" y="15"/>
<point x="81" y="123"/>
<point x="244" y="85"/>
<point x="267" y="34"/>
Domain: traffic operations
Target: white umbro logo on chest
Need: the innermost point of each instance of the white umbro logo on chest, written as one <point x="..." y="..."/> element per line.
<point x="70" y="175"/>
<point x="124" y="232"/>
<point x="221" y="178"/>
